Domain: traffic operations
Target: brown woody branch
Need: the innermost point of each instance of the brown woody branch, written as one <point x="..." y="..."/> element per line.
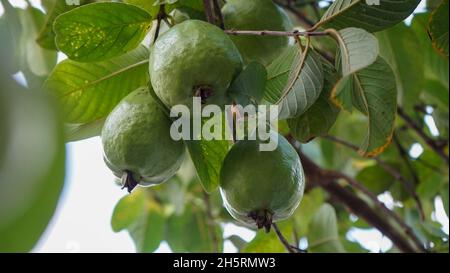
<point x="328" y="180"/>
<point x="433" y="144"/>
<point x="407" y="184"/>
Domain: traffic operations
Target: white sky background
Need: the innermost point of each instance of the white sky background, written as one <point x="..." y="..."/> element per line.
<point x="82" y="220"/>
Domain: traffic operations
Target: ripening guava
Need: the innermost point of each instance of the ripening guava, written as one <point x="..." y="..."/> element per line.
<point x="261" y="187"/>
<point x="137" y="144"/>
<point x="257" y="15"/>
<point x="193" y="58"/>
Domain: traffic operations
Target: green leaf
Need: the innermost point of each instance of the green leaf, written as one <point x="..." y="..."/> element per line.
<point x="358" y="49"/>
<point x="438" y="28"/>
<point x="322" y="115"/>
<point x="436" y="66"/>
<point x="248" y="87"/>
<point x="435" y="94"/>
<point x="375" y="178"/>
<point x="149" y="5"/>
<point x="46" y="36"/>
<point x="357" y="13"/>
<point x="323" y="234"/>
<point x="76" y="132"/>
<point x="294" y="82"/>
<point x="373" y="92"/>
<point x="406" y="62"/>
<point x="143" y="217"/>
<point x="190" y="232"/>
<point x="100" y="31"/>
<point x="89" y="91"/>
<point x="207" y="156"/>
<point x="311" y="203"/>
<point x="269" y="242"/>
<point x="32" y="164"/>
<point x="34" y="58"/>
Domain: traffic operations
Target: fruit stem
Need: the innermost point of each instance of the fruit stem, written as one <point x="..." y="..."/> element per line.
<point x="284" y="241"/>
<point x="128" y="181"/>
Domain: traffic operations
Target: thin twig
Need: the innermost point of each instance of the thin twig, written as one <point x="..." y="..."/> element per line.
<point x="210" y="222"/>
<point x="428" y="140"/>
<point x="407" y="184"/>
<point x="219" y="14"/>
<point x="208" y="11"/>
<point x="404" y="155"/>
<point x="290" y="248"/>
<point x="357" y="185"/>
<point x="294" y="33"/>
<point x="327" y="180"/>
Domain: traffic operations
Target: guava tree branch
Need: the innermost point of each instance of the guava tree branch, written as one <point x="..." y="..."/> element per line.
<point x="407" y="184"/>
<point x="219" y="14"/>
<point x="211" y="224"/>
<point x="209" y="11"/>
<point x="433" y="144"/>
<point x="404" y="156"/>
<point x="327" y="179"/>
<point x="294" y="33"/>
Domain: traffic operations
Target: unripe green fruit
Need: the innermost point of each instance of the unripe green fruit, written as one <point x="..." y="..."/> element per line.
<point x="137" y="143"/>
<point x="193" y="58"/>
<point x="261" y="187"/>
<point x="257" y="15"/>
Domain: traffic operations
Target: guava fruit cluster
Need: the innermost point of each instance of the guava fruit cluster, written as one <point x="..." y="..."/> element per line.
<point x="197" y="59"/>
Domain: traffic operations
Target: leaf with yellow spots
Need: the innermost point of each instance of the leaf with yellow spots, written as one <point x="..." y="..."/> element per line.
<point x="100" y="31"/>
<point x="373" y="92"/>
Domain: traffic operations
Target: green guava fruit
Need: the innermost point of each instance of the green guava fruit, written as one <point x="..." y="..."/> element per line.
<point x="261" y="187"/>
<point x="193" y="58"/>
<point x="137" y="143"/>
<point x="257" y="15"/>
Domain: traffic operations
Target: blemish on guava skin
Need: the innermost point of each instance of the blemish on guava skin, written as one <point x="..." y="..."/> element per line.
<point x="204" y="92"/>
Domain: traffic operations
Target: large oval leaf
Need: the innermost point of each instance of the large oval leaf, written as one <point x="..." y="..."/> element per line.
<point x="438" y="28"/>
<point x="89" y="91"/>
<point x="143" y="217"/>
<point x="100" y="31"/>
<point x="323" y="233"/>
<point x="294" y="82"/>
<point x="406" y="61"/>
<point x="321" y="116"/>
<point x="358" y="49"/>
<point x="358" y="13"/>
<point x="373" y="92"/>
